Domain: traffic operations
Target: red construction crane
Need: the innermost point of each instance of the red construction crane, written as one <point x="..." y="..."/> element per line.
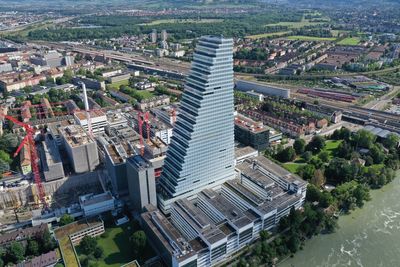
<point x="29" y="139"/>
<point x="147" y="119"/>
<point x="140" y="125"/>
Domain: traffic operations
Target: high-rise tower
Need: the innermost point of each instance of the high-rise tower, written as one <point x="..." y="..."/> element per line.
<point x="201" y="153"/>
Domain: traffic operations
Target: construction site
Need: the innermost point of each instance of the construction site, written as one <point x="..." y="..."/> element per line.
<point x="64" y="155"/>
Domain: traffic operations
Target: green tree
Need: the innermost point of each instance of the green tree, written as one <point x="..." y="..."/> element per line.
<point x="66" y="219"/>
<point x="287" y="154"/>
<point x="16" y="252"/>
<point x="139" y="241"/>
<point x="306" y="171"/>
<point x="47" y="242"/>
<point x="299" y="146"/>
<point x="363" y="139"/>
<point x="391" y="141"/>
<point x="33" y="248"/>
<point x="316" y="144"/>
<point x="318" y="178"/>
<point x="98" y="252"/>
<point x="88" y="245"/>
<point x="324" y="156"/>
<point x="307" y="156"/>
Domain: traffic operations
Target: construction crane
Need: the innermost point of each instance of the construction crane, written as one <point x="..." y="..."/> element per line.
<point x="140" y="125"/>
<point x="147" y="120"/>
<point x="29" y="139"/>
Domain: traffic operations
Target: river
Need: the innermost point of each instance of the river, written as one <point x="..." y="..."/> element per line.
<point x="368" y="237"/>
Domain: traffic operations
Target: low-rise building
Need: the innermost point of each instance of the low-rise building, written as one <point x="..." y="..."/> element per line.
<point x="153" y="102"/>
<point x="92" y="204"/>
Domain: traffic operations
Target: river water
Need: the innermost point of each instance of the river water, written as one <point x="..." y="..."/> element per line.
<point x="368" y="237"/>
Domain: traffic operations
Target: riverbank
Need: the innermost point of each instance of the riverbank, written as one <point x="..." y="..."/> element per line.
<point x="367" y="237"/>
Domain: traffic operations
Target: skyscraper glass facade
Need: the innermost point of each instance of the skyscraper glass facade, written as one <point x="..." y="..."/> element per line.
<point x="201" y="153"/>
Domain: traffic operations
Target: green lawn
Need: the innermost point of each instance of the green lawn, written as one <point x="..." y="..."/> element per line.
<point x="310" y="38"/>
<point x="265" y="35"/>
<point x="292" y="167"/>
<point x="331" y="146"/>
<point x="164" y="21"/>
<point x="295" y="25"/>
<point x="117" y="247"/>
<point x="350" y="41"/>
<point x="144" y="94"/>
<point x="116" y="85"/>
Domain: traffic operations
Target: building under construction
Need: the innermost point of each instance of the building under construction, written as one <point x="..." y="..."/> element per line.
<point x="81" y="149"/>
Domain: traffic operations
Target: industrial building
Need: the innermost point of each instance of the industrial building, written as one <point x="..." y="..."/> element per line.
<point x="81" y="149"/>
<point x="264" y="89"/>
<point x="201" y="153"/>
<point x="52" y="165"/>
<point x="141" y="182"/>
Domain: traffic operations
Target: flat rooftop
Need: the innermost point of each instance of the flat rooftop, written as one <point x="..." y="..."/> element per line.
<point x="278" y="170"/>
<point x="75" y="135"/>
<point x="168" y="235"/>
<point x="230" y="211"/>
<point x="244" y="151"/>
<point x="91" y="199"/>
<point x="81" y="115"/>
<point x="249" y="124"/>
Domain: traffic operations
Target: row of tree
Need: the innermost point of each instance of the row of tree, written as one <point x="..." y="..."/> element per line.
<point x="17" y="251"/>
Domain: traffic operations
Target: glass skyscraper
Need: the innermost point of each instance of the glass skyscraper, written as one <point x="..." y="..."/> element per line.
<point x="201" y="153"/>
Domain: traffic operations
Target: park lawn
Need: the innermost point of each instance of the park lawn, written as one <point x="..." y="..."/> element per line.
<point x="350" y="41"/>
<point x="292" y="167"/>
<point x="331" y="146"/>
<point x="116" y="85"/>
<point x="265" y="35"/>
<point x="117" y="248"/>
<point x="310" y="38"/>
<point x="144" y="94"/>
<point x="294" y="24"/>
<point x="165" y="21"/>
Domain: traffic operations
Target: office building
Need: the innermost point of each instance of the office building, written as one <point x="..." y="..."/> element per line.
<point x="218" y="224"/>
<point x="201" y="153"/>
<point x="81" y="149"/>
<point x="141" y="182"/>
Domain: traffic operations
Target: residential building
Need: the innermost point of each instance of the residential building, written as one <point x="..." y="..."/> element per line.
<point x="201" y="153"/>
<point x="153" y="36"/>
<point x="251" y="133"/>
<point x="164" y="35"/>
<point x="22" y="234"/>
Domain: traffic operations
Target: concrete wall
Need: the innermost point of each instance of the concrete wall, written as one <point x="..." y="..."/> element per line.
<point x="245" y="86"/>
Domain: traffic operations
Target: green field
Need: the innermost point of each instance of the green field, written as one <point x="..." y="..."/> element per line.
<point x="117" y="247"/>
<point x="265" y="35"/>
<point x="164" y="21"/>
<point x="294" y="25"/>
<point x="292" y="167"/>
<point x="310" y="38"/>
<point x="350" y="41"/>
<point x="116" y="85"/>
<point x="331" y="146"/>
